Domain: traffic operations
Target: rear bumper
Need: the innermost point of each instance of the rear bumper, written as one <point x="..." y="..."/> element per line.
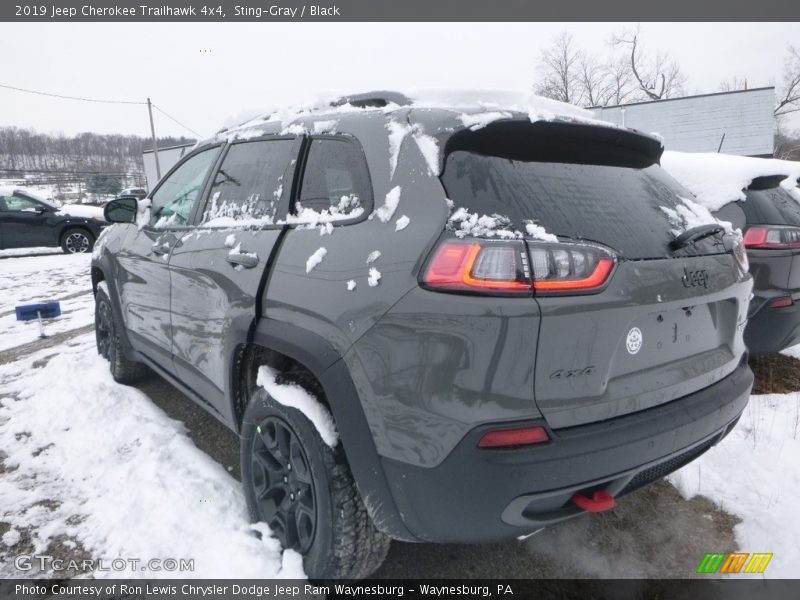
<point x="773" y="329"/>
<point x="486" y="495"/>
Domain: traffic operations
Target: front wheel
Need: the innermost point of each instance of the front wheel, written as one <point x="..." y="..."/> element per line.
<point x="109" y="346"/>
<point x="304" y="491"/>
<point x="76" y="241"/>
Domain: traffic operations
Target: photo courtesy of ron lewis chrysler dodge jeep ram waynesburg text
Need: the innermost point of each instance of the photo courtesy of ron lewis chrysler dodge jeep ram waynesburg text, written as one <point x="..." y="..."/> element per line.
<point x="420" y="313"/>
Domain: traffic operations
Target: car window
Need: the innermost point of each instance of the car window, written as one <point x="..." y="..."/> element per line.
<point x="20" y="204"/>
<point x="335" y="181"/>
<point x="249" y="184"/>
<point x="174" y="199"/>
<point x="774" y="206"/>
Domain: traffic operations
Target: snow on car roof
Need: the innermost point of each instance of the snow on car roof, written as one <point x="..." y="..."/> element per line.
<point x="717" y="179"/>
<point x="490" y="103"/>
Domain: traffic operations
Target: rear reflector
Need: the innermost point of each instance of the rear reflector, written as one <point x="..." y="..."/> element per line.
<point x="599" y="502"/>
<point x="510" y="438"/>
<point x="781" y="302"/>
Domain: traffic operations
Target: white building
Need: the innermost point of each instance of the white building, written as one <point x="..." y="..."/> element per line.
<point x="740" y="122"/>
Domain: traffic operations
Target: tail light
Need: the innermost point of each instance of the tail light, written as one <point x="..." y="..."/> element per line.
<point x="570" y="268"/>
<point x="772" y="237"/>
<point x="781" y="302"/>
<point x="740" y="254"/>
<point x="503" y="267"/>
<point x="491" y="267"/>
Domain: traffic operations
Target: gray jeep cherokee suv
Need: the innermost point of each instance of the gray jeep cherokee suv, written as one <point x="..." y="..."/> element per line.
<point x="510" y="321"/>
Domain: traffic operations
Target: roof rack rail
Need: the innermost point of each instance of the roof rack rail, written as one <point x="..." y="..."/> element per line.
<point x="377" y="99"/>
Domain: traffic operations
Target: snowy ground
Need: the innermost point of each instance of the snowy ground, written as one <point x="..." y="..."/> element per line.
<point x="93" y="469"/>
<point x="43" y="277"/>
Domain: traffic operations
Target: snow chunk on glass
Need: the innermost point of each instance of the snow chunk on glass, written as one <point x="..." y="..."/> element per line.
<point x="351" y="285"/>
<point x="294" y="396"/>
<point x="315" y="259"/>
<point x="690" y="214"/>
<point x="374" y="277"/>
<point x="464" y="223"/>
<point x="401" y="223"/>
<point x="373" y="256"/>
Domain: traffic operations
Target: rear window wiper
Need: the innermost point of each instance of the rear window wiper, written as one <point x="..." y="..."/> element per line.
<point x="695" y="234"/>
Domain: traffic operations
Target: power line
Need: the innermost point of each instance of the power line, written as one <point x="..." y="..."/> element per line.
<point x="40" y="93"/>
<point x="176" y="121"/>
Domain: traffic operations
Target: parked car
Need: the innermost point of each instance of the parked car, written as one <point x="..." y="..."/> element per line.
<point x="430" y="323"/>
<point x="138" y="192"/>
<point x="756" y="196"/>
<point x="28" y="221"/>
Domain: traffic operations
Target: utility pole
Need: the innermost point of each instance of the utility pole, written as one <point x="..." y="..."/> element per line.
<point x="153" y="133"/>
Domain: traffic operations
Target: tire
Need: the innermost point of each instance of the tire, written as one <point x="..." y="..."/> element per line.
<point x="109" y="347"/>
<point x="77" y="240"/>
<point x="339" y="539"/>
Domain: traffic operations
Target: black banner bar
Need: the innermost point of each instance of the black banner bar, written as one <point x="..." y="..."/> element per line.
<point x="287" y="589"/>
<point x="399" y="10"/>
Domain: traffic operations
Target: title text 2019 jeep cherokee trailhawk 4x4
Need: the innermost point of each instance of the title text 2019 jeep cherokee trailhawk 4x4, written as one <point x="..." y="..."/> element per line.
<point x="511" y="318"/>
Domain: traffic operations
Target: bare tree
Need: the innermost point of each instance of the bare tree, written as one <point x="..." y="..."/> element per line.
<point x="731" y="85"/>
<point x="789" y="93"/>
<point x="656" y="77"/>
<point x="560" y="71"/>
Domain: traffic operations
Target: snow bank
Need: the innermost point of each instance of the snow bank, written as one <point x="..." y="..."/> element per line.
<point x="753" y="473"/>
<point x="717" y="179"/>
<point x="294" y="396"/>
<point x="98" y="462"/>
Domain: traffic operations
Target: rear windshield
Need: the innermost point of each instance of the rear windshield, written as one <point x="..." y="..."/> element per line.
<point x="620" y="206"/>
<point x="774" y="206"/>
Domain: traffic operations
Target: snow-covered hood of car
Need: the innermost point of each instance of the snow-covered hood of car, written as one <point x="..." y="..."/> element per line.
<point x="79" y="210"/>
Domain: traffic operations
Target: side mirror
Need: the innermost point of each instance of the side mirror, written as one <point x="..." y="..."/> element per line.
<point x="40" y="210"/>
<point x="121" y="210"/>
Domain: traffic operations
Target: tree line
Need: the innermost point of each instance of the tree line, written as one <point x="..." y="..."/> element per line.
<point x="27" y="150"/>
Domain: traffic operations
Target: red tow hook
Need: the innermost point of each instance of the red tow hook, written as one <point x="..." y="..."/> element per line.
<point x="599" y="502"/>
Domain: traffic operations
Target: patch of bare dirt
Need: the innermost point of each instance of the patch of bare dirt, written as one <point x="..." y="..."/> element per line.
<point x="775" y="374"/>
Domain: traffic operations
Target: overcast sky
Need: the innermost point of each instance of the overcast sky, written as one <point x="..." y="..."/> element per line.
<point x="202" y="74"/>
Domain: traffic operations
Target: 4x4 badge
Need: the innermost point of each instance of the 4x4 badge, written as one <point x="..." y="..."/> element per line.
<point x="634" y="340"/>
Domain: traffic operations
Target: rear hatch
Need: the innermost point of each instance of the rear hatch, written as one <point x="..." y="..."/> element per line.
<point x="661" y="322"/>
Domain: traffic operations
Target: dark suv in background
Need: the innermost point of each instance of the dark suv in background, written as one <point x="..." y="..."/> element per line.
<point x="427" y="323"/>
<point x="27" y="221"/>
<point x="765" y="210"/>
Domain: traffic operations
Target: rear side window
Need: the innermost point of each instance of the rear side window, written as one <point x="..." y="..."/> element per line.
<point x="773" y="206"/>
<point x="335" y="181"/>
<point x="18" y="203"/>
<point x="622" y="207"/>
<point x="173" y="201"/>
<point x="249" y="184"/>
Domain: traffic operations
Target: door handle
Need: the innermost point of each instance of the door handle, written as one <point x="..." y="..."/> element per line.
<point x="160" y="248"/>
<point x="243" y="259"/>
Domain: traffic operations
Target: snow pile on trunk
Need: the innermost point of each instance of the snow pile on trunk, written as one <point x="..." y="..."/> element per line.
<point x="753" y="473"/>
<point x="294" y="396"/>
<point x="717" y="179"/>
<point x="538" y="232"/>
<point x="315" y="258"/>
<point x="99" y="463"/>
